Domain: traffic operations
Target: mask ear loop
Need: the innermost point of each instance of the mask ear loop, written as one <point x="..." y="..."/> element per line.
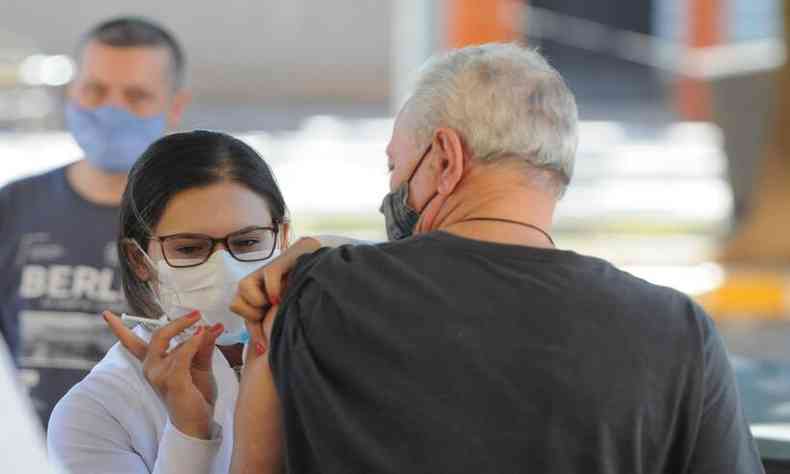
<point x="148" y="261"/>
<point x="171" y="286"/>
<point x="152" y="267"/>
<point x="411" y="176"/>
<point x="155" y="276"/>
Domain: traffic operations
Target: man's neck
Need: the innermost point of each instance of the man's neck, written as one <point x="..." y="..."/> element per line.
<point x="495" y="192"/>
<point x="94" y="185"/>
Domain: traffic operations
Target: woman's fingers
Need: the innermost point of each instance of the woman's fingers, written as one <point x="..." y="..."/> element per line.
<point x="205" y="353"/>
<point x="133" y="343"/>
<point x="266" y="286"/>
<point x="244" y="309"/>
<point x="259" y="338"/>
<point x="260" y="332"/>
<point x="274" y="274"/>
<point x="252" y="288"/>
<point x="189" y="394"/>
<point x="186" y="365"/>
<point x="272" y="278"/>
<point x="183" y="354"/>
<point x="256" y="332"/>
<point x="268" y="322"/>
<point x="257" y="344"/>
<point x="160" y="340"/>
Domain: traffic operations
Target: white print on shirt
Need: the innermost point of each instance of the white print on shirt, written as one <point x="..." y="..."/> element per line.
<point x="65" y="340"/>
<point x="37" y="247"/>
<point x="111" y="255"/>
<point x="65" y="282"/>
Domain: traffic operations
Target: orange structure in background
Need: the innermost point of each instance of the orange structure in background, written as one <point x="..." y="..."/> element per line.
<point x="693" y="95"/>
<point x="481" y="21"/>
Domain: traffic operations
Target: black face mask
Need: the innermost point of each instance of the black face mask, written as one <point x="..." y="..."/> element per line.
<point x="400" y="219"/>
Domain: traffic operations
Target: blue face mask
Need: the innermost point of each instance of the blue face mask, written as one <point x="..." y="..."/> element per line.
<point x="111" y="137"/>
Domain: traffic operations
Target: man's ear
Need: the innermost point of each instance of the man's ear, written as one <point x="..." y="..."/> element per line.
<point x="452" y="159"/>
<point x="175" y="113"/>
<point x="137" y="259"/>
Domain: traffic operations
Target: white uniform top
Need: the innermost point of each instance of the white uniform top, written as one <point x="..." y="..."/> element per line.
<point x="21" y="440"/>
<point x="114" y="422"/>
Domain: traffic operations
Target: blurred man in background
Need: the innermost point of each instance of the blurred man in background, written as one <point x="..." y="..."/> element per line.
<point x="59" y="227"/>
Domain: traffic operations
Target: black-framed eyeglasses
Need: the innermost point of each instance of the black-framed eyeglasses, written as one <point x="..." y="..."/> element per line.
<point x="251" y="244"/>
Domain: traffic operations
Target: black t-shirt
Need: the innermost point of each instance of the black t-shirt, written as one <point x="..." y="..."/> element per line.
<point x="60" y="270"/>
<point x="440" y="354"/>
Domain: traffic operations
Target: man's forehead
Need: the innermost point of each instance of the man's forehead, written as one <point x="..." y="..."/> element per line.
<point x="99" y="61"/>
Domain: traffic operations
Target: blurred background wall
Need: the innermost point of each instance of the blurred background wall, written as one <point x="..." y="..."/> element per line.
<point x="240" y="51"/>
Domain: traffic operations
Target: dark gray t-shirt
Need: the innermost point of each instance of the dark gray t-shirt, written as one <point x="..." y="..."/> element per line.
<point x="443" y="354"/>
<point x="59" y="272"/>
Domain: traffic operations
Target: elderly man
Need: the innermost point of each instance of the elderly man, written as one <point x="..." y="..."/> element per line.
<point x="469" y="343"/>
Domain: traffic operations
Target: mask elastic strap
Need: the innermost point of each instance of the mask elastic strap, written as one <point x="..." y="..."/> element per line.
<point x="153" y="268"/>
<point x="419" y="163"/>
<point x="414" y="172"/>
<point x="428" y="202"/>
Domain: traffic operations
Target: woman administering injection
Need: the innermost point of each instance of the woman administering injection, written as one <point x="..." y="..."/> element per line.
<point x="201" y="211"/>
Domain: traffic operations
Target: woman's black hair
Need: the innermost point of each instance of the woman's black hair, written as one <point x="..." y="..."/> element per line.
<point x="169" y="166"/>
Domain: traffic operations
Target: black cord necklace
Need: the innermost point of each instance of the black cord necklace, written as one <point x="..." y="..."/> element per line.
<point x="508" y="221"/>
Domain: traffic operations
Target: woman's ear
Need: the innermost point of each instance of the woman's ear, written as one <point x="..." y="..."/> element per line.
<point x="137" y="259"/>
<point x="285" y="236"/>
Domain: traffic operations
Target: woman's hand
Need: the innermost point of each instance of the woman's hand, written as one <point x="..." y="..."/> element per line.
<point x="258" y="437"/>
<point x="265" y="287"/>
<point x="183" y="376"/>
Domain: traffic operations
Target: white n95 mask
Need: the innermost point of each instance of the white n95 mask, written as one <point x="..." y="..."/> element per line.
<point x="209" y="288"/>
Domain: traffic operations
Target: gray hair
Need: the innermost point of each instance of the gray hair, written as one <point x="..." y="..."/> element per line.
<point x="504" y="100"/>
